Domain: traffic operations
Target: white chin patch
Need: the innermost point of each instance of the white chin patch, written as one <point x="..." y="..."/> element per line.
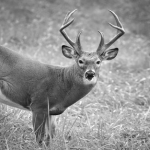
<point x="90" y="81"/>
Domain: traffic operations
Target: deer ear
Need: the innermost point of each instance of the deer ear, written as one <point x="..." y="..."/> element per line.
<point x="110" y="54"/>
<point x="67" y="51"/>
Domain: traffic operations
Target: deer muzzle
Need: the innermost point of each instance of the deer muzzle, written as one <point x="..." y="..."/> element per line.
<point x="90" y="74"/>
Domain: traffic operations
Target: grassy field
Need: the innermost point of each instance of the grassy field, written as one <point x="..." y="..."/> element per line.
<point x="115" y="115"/>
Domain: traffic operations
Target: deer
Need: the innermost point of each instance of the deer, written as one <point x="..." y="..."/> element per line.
<point x="47" y="90"/>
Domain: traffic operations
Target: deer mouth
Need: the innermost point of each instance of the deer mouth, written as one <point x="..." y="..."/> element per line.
<point x="89" y="75"/>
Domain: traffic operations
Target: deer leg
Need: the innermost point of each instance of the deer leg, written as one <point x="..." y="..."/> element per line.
<point x="38" y="120"/>
<point x="44" y="127"/>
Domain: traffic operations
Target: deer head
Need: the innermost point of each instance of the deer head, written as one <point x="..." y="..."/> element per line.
<point x="89" y="63"/>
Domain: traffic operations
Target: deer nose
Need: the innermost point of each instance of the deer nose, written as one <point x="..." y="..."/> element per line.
<point x="89" y="74"/>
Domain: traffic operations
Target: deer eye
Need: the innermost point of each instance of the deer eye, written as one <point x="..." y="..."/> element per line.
<point x="80" y="62"/>
<point x="98" y="62"/>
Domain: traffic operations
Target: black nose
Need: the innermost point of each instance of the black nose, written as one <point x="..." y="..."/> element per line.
<point x="89" y="74"/>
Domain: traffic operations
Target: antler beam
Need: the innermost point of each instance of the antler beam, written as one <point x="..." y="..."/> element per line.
<point x="120" y="31"/>
<point x="76" y="45"/>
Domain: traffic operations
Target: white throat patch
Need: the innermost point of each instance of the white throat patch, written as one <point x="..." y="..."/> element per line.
<point x="92" y="81"/>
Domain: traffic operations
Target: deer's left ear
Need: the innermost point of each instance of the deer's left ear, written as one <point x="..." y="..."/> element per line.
<point x="110" y="54"/>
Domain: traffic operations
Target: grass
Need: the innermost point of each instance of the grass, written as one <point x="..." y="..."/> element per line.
<point x="115" y="114"/>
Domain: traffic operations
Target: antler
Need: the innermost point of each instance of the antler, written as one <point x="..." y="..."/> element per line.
<point x="76" y="45"/>
<point x="120" y="31"/>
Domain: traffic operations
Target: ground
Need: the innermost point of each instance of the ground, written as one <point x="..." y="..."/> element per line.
<point x="115" y="114"/>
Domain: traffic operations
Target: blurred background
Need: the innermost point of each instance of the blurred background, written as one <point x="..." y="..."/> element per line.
<point x="115" y="115"/>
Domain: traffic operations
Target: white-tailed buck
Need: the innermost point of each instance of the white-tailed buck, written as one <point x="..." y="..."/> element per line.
<point x="48" y="90"/>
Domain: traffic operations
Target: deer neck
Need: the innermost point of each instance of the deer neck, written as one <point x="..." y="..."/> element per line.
<point x="77" y="88"/>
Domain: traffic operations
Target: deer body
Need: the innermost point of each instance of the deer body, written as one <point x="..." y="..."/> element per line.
<point x="38" y="83"/>
<point x="48" y="90"/>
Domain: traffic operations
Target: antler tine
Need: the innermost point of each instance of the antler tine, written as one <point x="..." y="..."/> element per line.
<point x="120" y="30"/>
<point x="65" y="24"/>
<point x="78" y="40"/>
<point x="68" y="16"/>
<point x="101" y="44"/>
<point x="116" y="18"/>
